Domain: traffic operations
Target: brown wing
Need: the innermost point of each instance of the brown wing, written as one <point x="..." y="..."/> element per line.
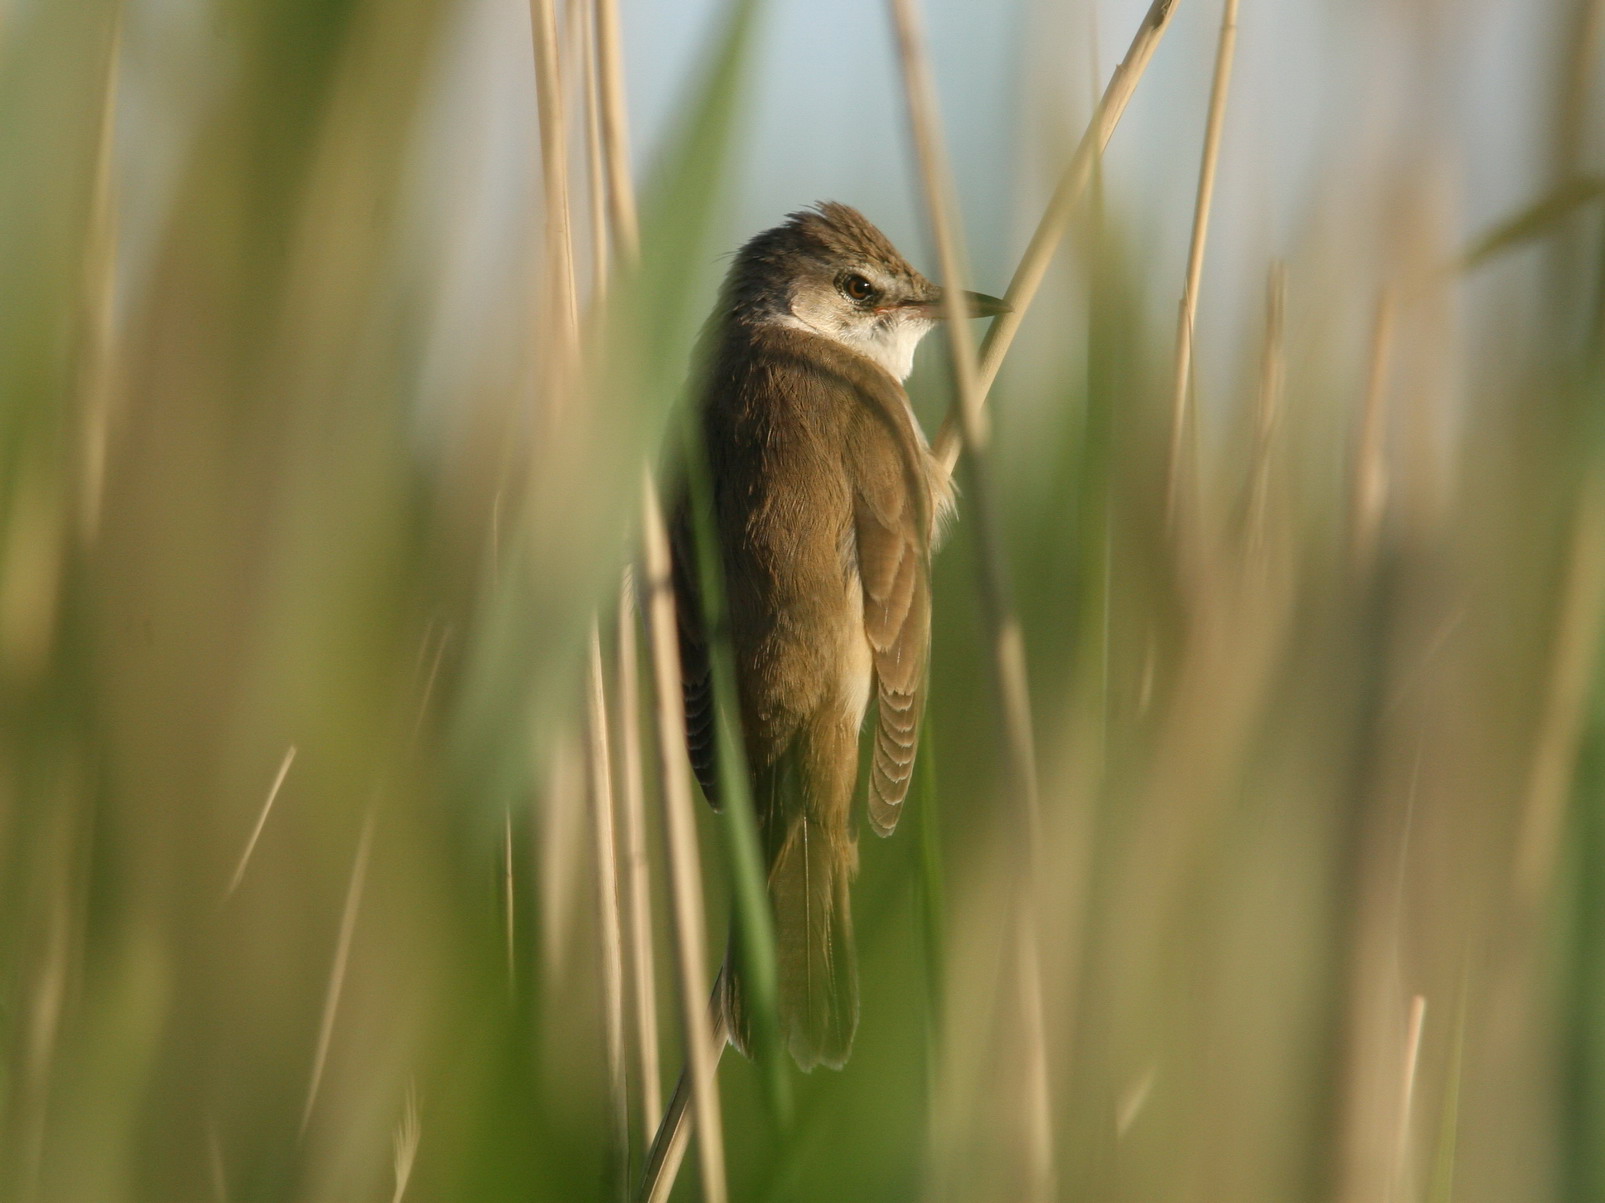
<point x="695" y="673"/>
<point x="892" y="524"/>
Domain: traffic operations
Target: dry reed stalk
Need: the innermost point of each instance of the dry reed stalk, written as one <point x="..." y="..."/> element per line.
<point x="610" y="165"/>
<point x="1180" y="410"/>
<point x="615" y="135"/>
<point x="1008" y="655"/>
<point x="1055" y="220"/>
<point x="685" y="872"/>
<point x="1407" y="1088"/>
<point x="1267" y="410"/>
<point x="674" y="1133"/>
<point x="261" y="821"/>
<point x="404" y="1142"/>
<point x="342" y="958"/>
<point x="554" y="171"/>
<point x="637" y="883"/>
<point x="1369" y="489"/>
<point x="214" y="1158"/>
<point x="1571" y="670"/>
<point x="608" y="910"/>
<point x="560" y="853"/>
<point x="632" y="921"/>
<point x="596" y="178"/>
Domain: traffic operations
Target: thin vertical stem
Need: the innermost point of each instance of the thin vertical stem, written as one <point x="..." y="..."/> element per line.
<point x="342" y="959"/>
<point x="1369" y="488"/>
<point x="261" y="821"/>
<point x="637" y="884"/>
<point x="608" y="912"/>
<point x="1008" y="653"/>
<point x="685" y="872"/>
<point x="1055" y="220"/>
<point x="615" y="132"/>
<point x="1407" y="1090"/>
<point x="1565" y="704"/>
<point x="1180" y="410"/>
<point x="602" y="91"/>
<point x="596" y="176"/>
<point x="1268" y="408"/>
<point x="554" y="169"/>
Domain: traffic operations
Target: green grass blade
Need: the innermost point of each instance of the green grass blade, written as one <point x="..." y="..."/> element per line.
<point x="1537" y="220"/>
<point x="754" y="924"/>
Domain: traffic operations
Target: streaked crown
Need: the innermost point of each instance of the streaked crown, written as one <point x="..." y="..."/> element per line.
<point x="828" y="270"/>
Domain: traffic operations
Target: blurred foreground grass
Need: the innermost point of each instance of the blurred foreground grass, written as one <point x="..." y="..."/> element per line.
<point x="1322" y="760"/>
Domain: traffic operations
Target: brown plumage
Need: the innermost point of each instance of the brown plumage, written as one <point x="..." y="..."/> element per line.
<point x="826" y="502"/>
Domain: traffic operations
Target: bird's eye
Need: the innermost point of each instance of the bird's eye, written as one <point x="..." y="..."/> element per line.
<point x="858" y="288"/>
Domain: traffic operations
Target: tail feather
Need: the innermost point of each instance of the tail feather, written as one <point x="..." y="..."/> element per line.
<point x="815" y="954"/>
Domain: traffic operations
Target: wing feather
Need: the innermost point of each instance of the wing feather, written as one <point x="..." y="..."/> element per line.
<point x="892" y="525"/>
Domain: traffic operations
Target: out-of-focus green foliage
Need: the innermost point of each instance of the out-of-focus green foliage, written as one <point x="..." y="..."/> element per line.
<point x="1291" y="784"/>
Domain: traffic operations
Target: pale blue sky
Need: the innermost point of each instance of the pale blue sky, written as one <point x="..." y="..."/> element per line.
<point x="1329" y="97"/>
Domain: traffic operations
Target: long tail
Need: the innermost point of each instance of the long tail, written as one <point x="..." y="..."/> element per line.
<point x="809" y="878"/>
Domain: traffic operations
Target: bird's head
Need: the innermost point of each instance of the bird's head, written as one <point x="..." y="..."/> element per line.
<point x="830" y="271"/>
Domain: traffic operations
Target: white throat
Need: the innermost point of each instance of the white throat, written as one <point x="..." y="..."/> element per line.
<point x="890" y="344"/>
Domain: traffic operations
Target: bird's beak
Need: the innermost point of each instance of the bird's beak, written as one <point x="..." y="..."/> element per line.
<point x="977" y="304"/>
<point x="982" y="305"/>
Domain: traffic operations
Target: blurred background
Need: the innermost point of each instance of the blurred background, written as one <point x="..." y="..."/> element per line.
<point x="316" y="880"/>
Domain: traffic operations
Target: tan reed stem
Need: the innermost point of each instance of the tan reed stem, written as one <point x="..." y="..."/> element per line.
<point x="1407" y="1090"/>
<point x="404" y="1143"/>
<point x="607" y="896"/>
<point x="1560" y="726"/>
<point x="674" y="1133"/>
<point x="636" y="894"/>
<point x="342" y="959"/>
<point x="1369" y="488"/>
<point x="685" y="872"/>
<point x="1181" y="390"/>
<point x="1050" y="230"/>
<point x="637" y="883"/>
<point x="596" y="175"/>
<point x="554" y="170"/>
<point x="615" y="132"/>
<point x="261" y="821"/>
<point x="1008" y="655"/>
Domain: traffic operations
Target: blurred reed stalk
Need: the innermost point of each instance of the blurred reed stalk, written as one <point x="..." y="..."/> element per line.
<point x="613" y="215"/>
<point x="261" y="821"/>
<point x="615" y="133"/>
<point x="404" y="1142"/>
<point x="685" y="870"/>
<point x="595" y="173"/>
<point x="612" y="219"/>
<point x="1180" y="474"/>
<point x="1267" y="411"/>
<point x="342" y="959"/>
<point x="1403" y="1149"/>
<point x="1056" y="217"/>
<point x="1007" y="646"/>
<point x="637" y="880"/>
<point x="607" y="898"/>
<point x="559" y="265"/>
<point x="1573" y="658"/>
<point x="1368" y="488"/>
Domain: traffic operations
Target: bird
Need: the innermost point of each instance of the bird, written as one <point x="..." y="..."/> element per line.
<point x="827" y="503"/>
